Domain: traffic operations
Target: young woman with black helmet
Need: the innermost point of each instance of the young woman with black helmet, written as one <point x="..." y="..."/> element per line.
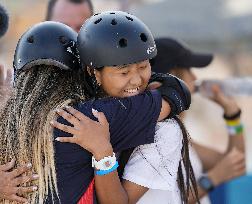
<point x="48" y="75"/>
<point x="126" y="72"/>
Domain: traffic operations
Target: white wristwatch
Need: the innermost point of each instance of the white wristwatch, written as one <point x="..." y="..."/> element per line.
<point x="104" y="164"/>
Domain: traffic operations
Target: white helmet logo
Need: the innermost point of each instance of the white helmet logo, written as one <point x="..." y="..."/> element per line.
<point x="151" y="49"/>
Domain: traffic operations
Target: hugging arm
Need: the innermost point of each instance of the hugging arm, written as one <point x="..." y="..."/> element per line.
<point x="132" y="123"/>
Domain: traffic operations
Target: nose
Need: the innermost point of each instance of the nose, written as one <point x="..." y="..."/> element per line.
<point x="136" y="79"/>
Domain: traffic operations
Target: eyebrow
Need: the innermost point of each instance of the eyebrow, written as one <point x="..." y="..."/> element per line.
<point x="122" y="66"/>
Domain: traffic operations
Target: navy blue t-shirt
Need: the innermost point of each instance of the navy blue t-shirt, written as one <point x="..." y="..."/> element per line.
<point x="132" y="123"/>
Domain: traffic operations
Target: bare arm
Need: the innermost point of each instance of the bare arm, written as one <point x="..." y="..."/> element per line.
<point x="230" y="108"/>
<point x="222" y="167"/>
<point x="110" y="190"/>
<point x="208" y="156"/>
<point x="165" y="110"/>
<point x="232" y="165"/>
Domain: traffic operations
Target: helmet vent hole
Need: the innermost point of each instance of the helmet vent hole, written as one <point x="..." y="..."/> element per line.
<point x="143" y="37"/>
<point x="30" y="39"/>
<point x="98" y="21"/>
<point x="129" y="18"/>
<point x="63" y="40"/>
<point x="123" y="43"/>
<point x="113" y="22"/>
<point x="96" y="14"/>
<point x="112" y="13"/>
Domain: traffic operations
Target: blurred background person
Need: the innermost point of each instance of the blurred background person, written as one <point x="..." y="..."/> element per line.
<point x="4" y="78"/>
<point x="211" y="167"/>
<point x="70" y="12"/>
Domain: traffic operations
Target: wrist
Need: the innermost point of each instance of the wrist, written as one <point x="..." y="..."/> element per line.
<point x="232" y="116"/>
<point x="214" y="177"/>
<point x="206" y="183"/>
<point x="234" y="127"/>
<point x="102" y="152"/>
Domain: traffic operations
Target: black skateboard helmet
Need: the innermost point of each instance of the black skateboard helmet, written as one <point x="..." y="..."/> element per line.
<point x="49" y="43"/>
<point x="114" y="38"/>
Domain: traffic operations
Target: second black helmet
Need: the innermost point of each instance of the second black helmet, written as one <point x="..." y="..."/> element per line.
<point x="49" y="43"/>
<point x="114" y="38"/>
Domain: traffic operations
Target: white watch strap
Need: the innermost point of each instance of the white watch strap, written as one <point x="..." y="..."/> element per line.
<point x="105" y="163"/>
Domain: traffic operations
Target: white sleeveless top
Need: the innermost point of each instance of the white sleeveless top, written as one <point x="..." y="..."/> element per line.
<point x="155" y="165"/>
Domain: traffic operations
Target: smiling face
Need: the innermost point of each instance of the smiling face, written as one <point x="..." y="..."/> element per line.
<point x="124" y="81"/>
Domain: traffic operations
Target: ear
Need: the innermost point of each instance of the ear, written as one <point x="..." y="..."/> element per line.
<point x="98" y="76"/>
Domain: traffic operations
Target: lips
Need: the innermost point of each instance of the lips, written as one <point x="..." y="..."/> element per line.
<point x="132" y="91"/>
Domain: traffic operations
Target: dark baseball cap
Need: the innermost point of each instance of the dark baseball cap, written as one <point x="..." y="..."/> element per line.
<point x="172" y="54"/>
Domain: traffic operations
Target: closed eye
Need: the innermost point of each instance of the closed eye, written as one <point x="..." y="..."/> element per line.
<point x="143" y="67"/>
<point x="124" y="73"/>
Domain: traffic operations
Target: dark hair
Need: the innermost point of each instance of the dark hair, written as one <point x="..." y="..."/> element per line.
<point x="188" y="183"/>
<point x="52" y="3"/>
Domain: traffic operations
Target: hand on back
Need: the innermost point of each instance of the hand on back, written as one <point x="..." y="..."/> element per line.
<point x="91" y="135"/>
<point x="11" y="181"/>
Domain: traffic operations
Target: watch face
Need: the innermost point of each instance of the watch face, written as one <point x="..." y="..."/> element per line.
<point x="206" y="183"/>
<point x="104" y="164"/>
<point x="107" y="164"/>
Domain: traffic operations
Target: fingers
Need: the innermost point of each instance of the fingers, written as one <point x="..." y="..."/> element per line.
<point x="216" y="89"/>
<point x="154" y="85"/>
<point x="100" y="116"/>
<point x="64" y="128"/>
<point x="20" y="170"/>
<point x="70" y="118"/>
<point x="77" y="114"/>
<point x="218" y="95"/>
<point x="241" y="167"/>
<point x="24" y="179"/>
<point x="8" y="166"/>
<point x="18" y="199"/>
<point x="24" y="190"/>
<point x="66" y="139"/>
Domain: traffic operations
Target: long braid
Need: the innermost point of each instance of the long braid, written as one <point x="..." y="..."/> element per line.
<point x="189" y="183"/>
<point x="25" y="131"/>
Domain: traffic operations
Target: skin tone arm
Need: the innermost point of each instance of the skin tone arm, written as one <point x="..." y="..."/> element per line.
<point x="11" y="179"/>
<point x="222" y="167"/>
<point x="100" y="147"/>
<point x="165" y="109"/>
<point x="229" y="167"/>
<point x="210" y="157"/>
